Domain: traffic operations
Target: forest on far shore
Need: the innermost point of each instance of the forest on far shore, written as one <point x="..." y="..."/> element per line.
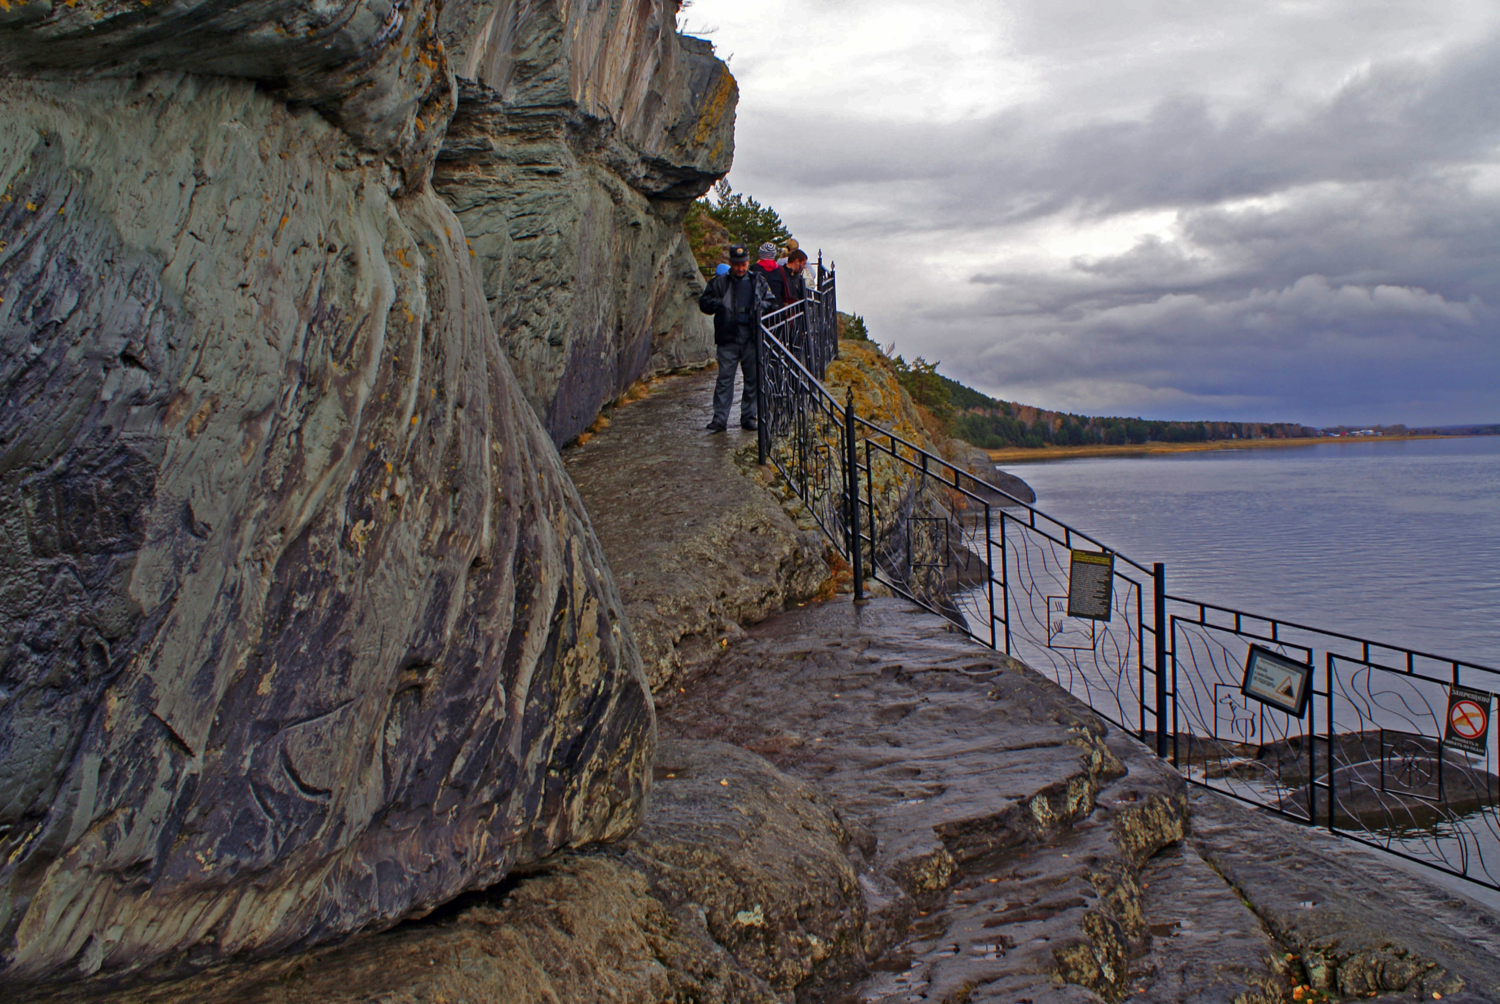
<point x="949" y="408"/>
<point x="995" y="425"/>
<point x="952" y="409"/>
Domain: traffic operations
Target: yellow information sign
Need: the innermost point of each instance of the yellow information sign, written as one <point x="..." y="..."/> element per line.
<point x="1091" y="581"/>
<point x="1272" y="678"/>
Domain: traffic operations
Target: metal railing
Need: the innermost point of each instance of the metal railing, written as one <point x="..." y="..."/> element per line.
<point x="1368" y="750"/>
<point x="1372" y="757"/>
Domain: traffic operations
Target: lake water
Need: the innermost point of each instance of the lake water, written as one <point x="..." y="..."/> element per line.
<point x="1394" y="541"/>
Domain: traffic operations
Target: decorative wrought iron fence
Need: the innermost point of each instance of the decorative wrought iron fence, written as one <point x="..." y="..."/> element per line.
<point x="999" y="568"/>
<point x="1383" y="744"/>
<point x="802" y="428"/>
<point x="803" y="435"/>
<point x="1381" y="752"/>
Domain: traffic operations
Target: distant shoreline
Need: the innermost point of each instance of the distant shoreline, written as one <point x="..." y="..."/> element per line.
<point x="1013" y="454"/>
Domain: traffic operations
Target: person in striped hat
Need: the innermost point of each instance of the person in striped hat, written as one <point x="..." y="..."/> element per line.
<point x="767" y="260"/>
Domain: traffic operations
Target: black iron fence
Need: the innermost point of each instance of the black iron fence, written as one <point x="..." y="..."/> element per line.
<point x="1382" y="744"/>
<point x="1390" y="746"/>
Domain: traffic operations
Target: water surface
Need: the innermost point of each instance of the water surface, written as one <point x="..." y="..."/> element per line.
<point x="1398" y="542"/>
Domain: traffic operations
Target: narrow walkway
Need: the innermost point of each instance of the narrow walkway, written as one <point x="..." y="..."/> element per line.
<point x="698" y="547"/>
<point x="1010" y="847"/>
<point x="1002" y="832"/>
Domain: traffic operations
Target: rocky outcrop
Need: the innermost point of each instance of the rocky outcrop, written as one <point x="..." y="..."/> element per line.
<point x="375" y="68"/>
<point x="583" y="132"/>
<point x="738" y="889"/>
<point x="977" y="462"/>
<point x="305" y="629"/>
<point x="861" y="368"/>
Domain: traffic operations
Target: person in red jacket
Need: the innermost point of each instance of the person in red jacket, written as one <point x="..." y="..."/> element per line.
<point x="786" y="282"/>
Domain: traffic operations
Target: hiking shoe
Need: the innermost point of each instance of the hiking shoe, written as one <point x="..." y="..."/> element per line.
<point x="749" y="424"/>
<point x="715" y="427"/>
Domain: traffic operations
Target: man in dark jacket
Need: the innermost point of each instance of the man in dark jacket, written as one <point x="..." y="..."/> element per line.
<point x="736" y="302"/>
<point x="786" y="282"/>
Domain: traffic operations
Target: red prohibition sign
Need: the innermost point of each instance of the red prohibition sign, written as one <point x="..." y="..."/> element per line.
<point x="1468" y="719"/>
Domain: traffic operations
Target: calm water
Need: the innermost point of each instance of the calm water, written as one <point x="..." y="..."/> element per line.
<point x="1396" y="542"/>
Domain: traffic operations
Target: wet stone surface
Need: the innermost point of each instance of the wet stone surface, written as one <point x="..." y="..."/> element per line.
<point x="1206" y="945"/>
<point x="1000" y="831"/>
<point x="1012" y="848"/>
<point x="1355" y="923"/>
<point x="698" y="548"/>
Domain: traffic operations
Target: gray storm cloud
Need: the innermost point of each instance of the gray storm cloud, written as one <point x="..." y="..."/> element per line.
<point x="1229" y="216"/>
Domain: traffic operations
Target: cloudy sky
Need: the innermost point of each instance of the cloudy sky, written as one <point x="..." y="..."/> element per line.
<point x="1169" y="208"/>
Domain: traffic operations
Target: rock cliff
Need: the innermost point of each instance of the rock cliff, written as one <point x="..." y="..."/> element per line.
<point x="375" y="68"/>
<point x="582" y="134"/>
<point x="304" y="627"/>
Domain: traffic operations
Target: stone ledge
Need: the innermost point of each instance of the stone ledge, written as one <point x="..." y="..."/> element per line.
<point x="737" y="890"/>
<point x="698" y="549"/>
<point x="978" y="792"/>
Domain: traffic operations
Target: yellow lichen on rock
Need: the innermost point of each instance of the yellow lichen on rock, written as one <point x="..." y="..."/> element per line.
<point x="878" y="395"/>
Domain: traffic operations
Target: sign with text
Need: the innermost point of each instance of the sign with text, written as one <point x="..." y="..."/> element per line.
<point x="1091" y="582"/>
<point x="1274" y="679"/>
<point x="1468" y="719"/>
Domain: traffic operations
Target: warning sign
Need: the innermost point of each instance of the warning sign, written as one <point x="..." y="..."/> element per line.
<point x="1274" y="679"/>
<point x="1468" y="719"/>
<point x="1091" y="580"/>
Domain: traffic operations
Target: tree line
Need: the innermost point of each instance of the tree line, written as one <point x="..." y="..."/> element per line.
<point x="964" y="413"/>
<point x="712" y="224"/>
<point x="730" y="217"/>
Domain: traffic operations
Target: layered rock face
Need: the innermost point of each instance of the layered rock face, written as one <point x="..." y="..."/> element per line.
<point x="583" y="132"/>
<point x="304" y="626"/>
<point x="375" y="68"/>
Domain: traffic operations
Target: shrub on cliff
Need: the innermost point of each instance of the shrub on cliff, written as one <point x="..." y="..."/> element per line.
<point x="746" y="219"/>
<point x="852" y="327"/>
<point x="920" y="379"/>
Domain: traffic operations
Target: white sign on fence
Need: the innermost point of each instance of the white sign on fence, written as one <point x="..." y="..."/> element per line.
<point x="1276" y="680"/>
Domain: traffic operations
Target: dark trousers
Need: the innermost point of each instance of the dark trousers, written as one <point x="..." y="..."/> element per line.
<point x="743" y="355"/>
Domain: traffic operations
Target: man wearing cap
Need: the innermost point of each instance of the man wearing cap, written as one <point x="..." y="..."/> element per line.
<point x="786" y="282"/>
<point x="736" y="302"/>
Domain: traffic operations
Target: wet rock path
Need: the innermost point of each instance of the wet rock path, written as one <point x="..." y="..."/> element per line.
<point x="697" y="548"/>
<point x="1010" y="848"/>
<point x="1009" y="845"/>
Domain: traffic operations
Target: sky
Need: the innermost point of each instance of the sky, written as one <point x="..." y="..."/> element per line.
<point x="1177" y="209"/>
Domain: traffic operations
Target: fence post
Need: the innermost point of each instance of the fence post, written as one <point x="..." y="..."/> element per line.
<point x="1159" y="580"/>
<point x="762" y="417"/>
<point x="851" y="489"/>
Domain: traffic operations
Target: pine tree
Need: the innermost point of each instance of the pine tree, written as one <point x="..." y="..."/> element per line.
<point x="746" y="219"/>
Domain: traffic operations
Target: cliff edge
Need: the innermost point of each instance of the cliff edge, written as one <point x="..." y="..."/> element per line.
<point x="305" y="629"/>
<point x="583" y="132"/>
